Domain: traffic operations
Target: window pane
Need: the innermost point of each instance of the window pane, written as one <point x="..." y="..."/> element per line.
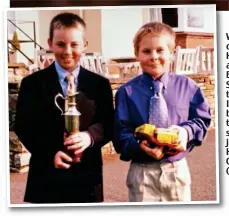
<point x="170" y="16"/>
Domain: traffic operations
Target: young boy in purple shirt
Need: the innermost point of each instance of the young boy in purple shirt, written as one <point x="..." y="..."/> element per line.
<point x="150" y="178"/>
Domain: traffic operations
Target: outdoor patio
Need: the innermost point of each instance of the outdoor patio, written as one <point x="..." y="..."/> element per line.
<point x="193" y="56"/>
<point x="203" y="173"/>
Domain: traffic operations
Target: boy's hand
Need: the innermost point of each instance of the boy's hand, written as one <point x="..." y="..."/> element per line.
<point x="155" y="152"/>
<point x="78" y="142"/>
<point x="181" y="142"/>
<point x="173" y="151"/>
<point x="149" y="138"/>
<point x="62" y="160"/>
<point x="182" y="137"/>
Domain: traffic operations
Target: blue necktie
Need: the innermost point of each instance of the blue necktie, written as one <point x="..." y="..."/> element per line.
<point x="158" y="111"/>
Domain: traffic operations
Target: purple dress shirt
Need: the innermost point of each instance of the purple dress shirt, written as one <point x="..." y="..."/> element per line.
<point x="186" y="104"/>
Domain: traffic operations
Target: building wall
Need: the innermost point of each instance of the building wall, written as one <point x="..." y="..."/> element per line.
<point x="109" y="31"/>
<point x="118" y="29"/>
<point x="209" y="20"/>
<point x="93" y="19"/>
<point x="42" y="20"/>
<point x="10" y="27"/>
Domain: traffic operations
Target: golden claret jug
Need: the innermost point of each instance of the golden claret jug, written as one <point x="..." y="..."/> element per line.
<point x="71" y="114"/>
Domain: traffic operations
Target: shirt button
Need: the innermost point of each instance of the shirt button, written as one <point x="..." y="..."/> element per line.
<point x="151" y="87"/>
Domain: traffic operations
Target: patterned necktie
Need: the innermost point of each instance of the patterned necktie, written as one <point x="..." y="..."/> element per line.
<point x="70" y="88"/>
<point x="71" y="84"/>
<point x="158" y="111"/>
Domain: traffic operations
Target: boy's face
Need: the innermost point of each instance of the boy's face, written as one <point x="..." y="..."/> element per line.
<point x="154" y="55"/>
<point x="67" y="45"/>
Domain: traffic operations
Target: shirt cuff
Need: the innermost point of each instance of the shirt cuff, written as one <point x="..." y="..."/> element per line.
<point x="92" y="140"/>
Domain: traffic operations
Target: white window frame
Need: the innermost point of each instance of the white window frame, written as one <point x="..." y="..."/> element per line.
<point x="182" y="20"/>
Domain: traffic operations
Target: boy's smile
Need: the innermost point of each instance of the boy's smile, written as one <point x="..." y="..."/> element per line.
<point x="154" y="54"/>
<point x="68" y="44"/>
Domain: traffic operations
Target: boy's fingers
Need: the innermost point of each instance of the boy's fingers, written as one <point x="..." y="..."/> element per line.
<point x="72" y="140"/>
<point x="64" y="165"/>
<point x="173" y="145"/>
<point x="154" y="140"/>
<point x="62" y="160"/>
<point x="145" y="143"/>
<point x="79" y="151"/>
<point x="156" y="152"/>
<point x="65" y="157"/>
<point x="75" y="146"/>
<point x="176" y="147"/>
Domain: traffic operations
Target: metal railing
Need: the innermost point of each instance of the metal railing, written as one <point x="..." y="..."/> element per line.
<point x="30" y="39"/>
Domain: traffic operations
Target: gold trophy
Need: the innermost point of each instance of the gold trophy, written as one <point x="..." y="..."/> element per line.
<point x="71" y="114"/>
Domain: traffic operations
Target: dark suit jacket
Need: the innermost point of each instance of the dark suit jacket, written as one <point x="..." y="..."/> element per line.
<point x="40" y="127"/>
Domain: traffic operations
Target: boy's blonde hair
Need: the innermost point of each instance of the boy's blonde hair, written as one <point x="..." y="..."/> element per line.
<point x="154" y="29"/>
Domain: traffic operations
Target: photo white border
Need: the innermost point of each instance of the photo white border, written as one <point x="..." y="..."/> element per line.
<point x="217" y="201"/>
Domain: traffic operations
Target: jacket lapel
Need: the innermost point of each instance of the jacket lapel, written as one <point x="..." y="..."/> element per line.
<point x="83" y="80"/>
<point x="85" y="101"/>
<point x="52" y="80"/>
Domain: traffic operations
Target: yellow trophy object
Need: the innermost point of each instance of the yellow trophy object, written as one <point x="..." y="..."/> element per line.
<point x="163" y="135"/>
<point x="166" y="138"/>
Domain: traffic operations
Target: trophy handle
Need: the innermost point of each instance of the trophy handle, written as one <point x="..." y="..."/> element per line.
<point x="55" y="99"/>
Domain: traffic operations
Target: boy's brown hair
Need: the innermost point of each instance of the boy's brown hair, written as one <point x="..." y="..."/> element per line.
<point x="154" y="29"/>
<point x="65" y="20"/>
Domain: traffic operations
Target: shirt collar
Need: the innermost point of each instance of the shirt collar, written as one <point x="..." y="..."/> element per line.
<point x="62" y="73"/>
<point x="148" y="80"/>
